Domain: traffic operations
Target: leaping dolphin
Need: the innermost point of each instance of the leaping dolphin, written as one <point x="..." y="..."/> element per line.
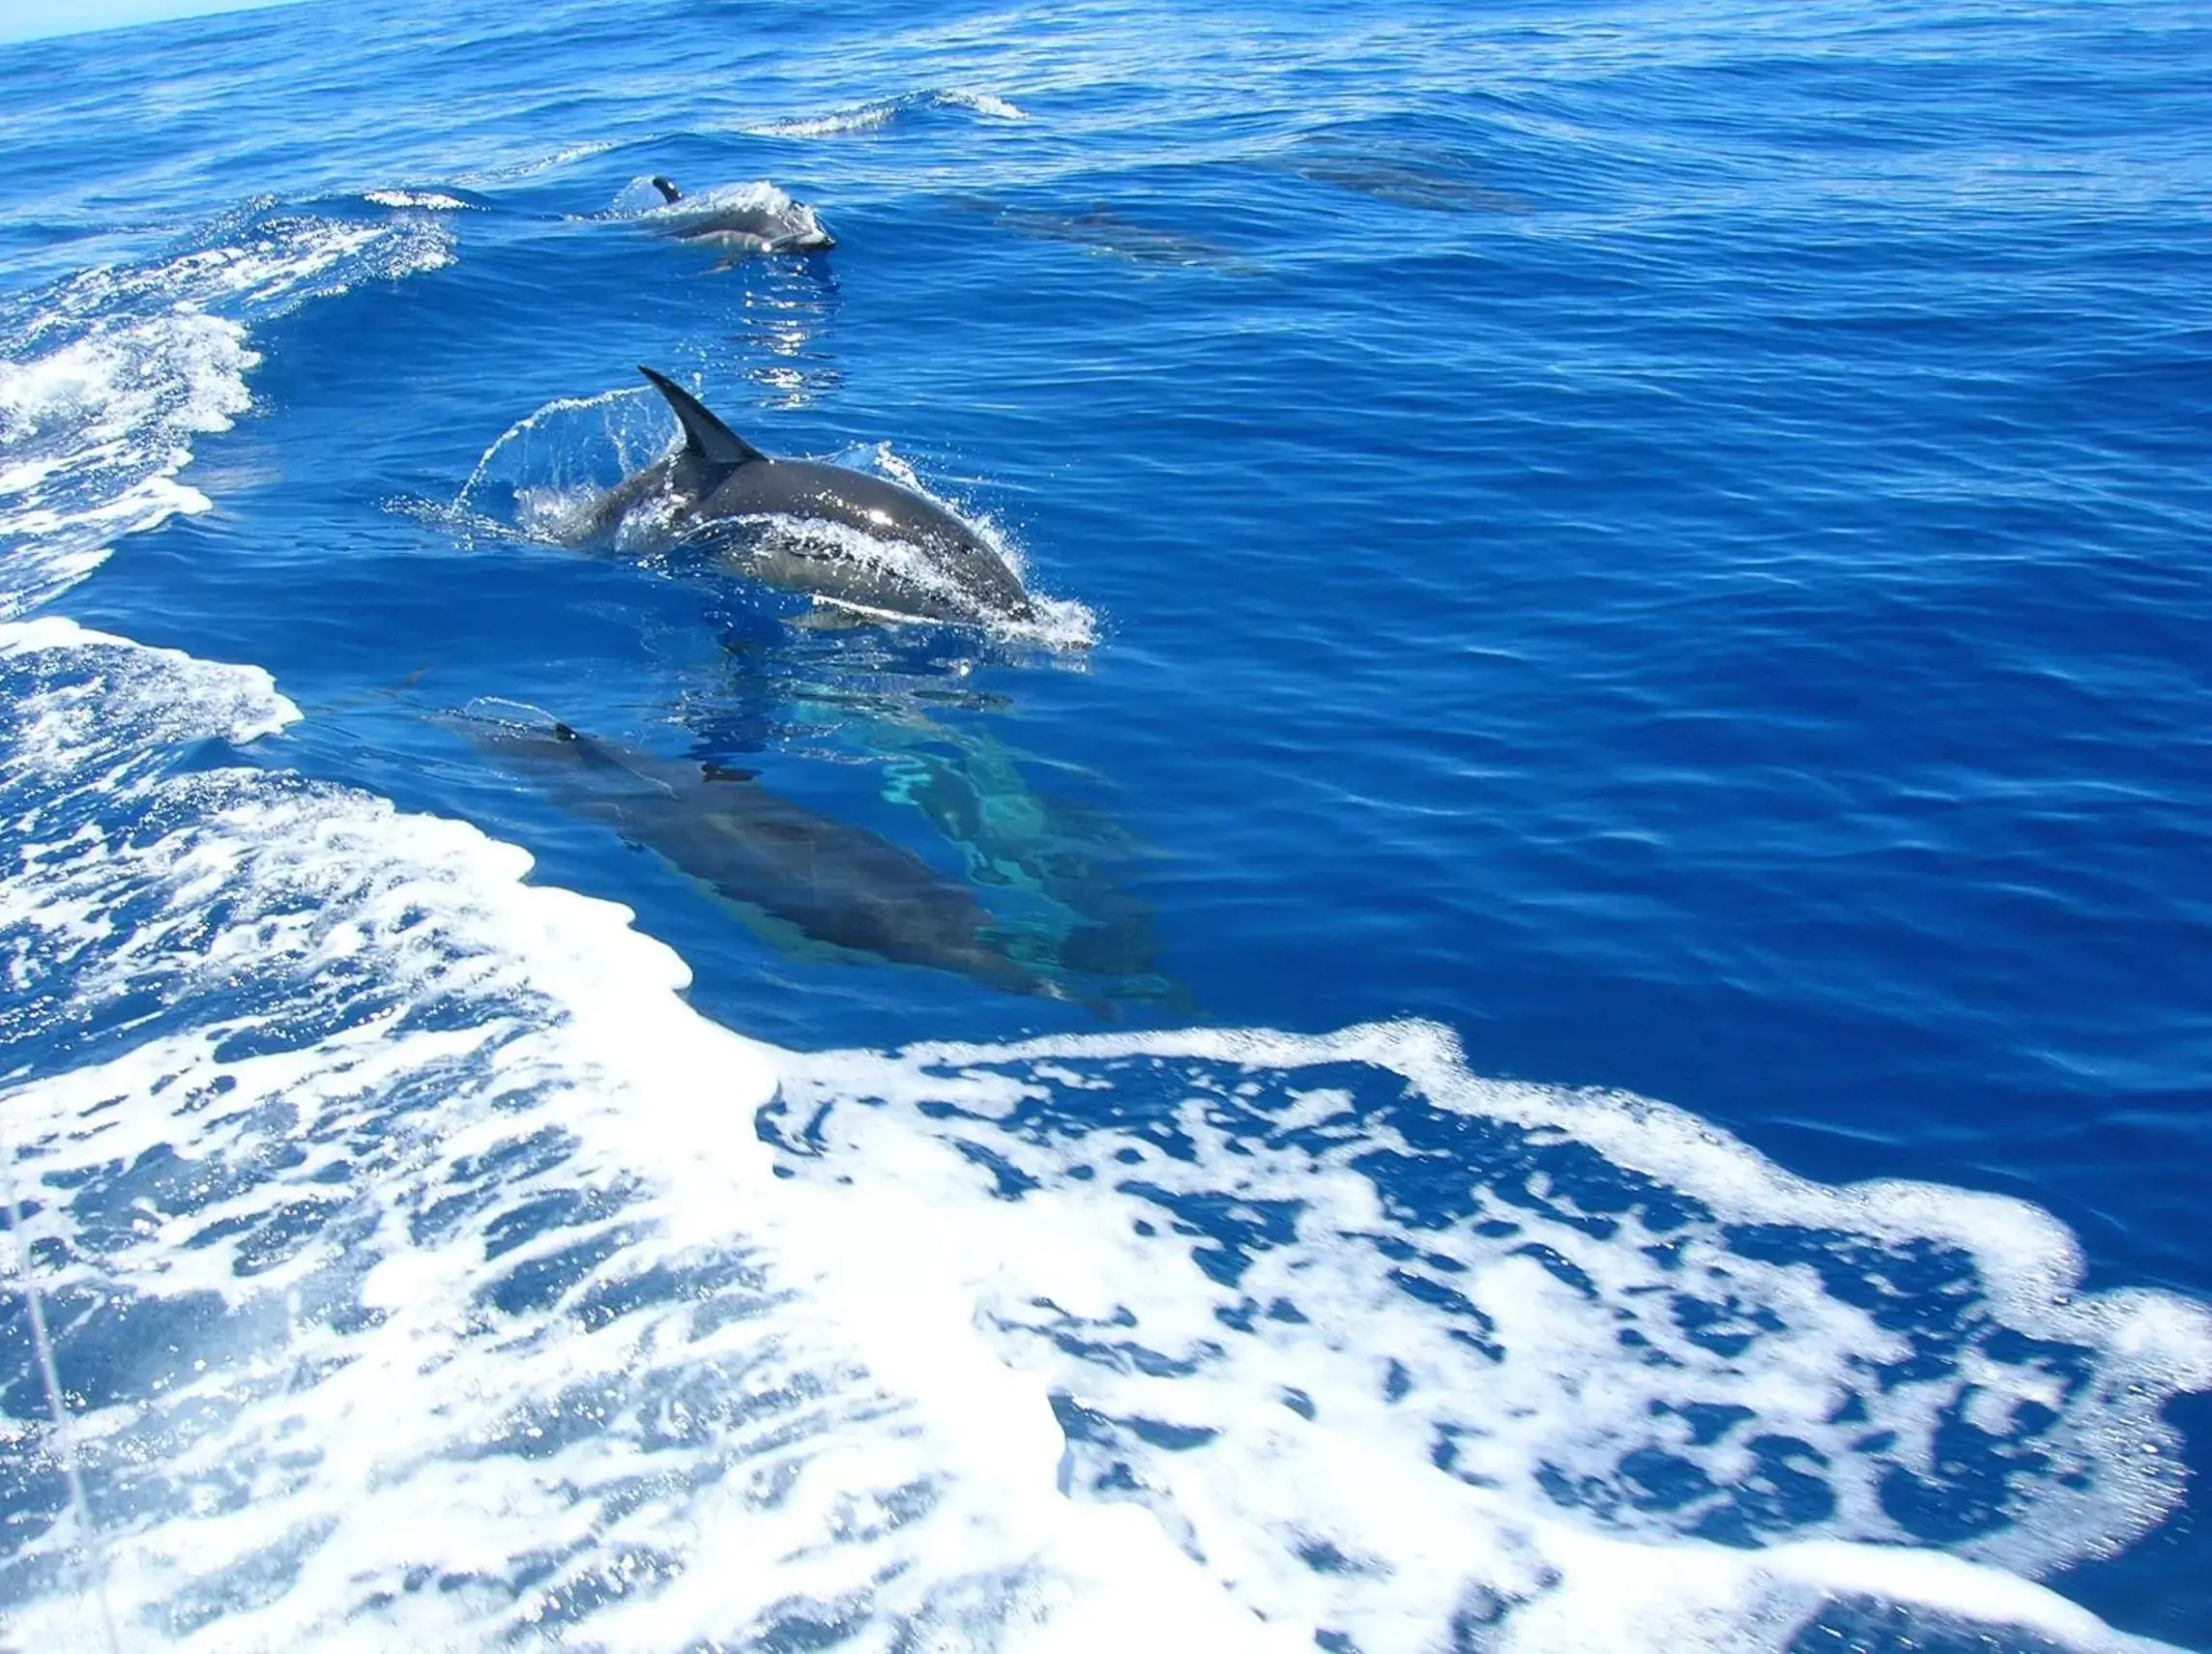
<point x="767" y="222"/>
<point x="906" y="556"/>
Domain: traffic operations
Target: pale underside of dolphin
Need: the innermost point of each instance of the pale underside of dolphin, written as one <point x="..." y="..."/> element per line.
<point x="812" y="878"/>
<point x="890" y="550"/>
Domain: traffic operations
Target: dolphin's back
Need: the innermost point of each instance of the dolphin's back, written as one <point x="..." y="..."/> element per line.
<point x="873" y="505"/>
<point x="834" y="882"/>
<point x="754" y="223"/>
<point x="925" y="560"/>
<point x="954" y="572"/>
<point x="770" y="223"/>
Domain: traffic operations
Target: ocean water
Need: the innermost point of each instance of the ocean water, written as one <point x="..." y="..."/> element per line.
<point x="1582" y="1017"/>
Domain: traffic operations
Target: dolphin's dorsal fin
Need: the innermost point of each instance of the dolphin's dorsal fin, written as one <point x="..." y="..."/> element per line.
<point x="703" y="434"/>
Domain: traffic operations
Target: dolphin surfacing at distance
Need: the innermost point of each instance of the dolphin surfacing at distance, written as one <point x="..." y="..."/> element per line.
<point x="766" y="220"/>
<point x="814" y="879"/>
<point x="891" y="551"/>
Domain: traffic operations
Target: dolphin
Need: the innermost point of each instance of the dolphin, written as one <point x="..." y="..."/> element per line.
<point x="814" y="879"/>
<point x="887" y="551"/>
<point x="770" y="222"/>
<point x="1107" y="233"/>
<point x="1433" y="178"/>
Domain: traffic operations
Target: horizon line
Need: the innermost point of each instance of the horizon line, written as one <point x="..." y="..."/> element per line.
<point x="22" y="21"/>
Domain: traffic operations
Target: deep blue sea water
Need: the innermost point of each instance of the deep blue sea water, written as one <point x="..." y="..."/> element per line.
<point x="1610" y="833"/>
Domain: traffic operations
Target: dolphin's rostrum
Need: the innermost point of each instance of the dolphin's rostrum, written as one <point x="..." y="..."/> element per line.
<point x="839" y="534"/>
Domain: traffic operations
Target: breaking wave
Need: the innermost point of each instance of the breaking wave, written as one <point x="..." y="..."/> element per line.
<point x="476" y="1287"/>
<point x="422" y="200"/>
<point x="108" y="377"/>
<point x="883" y="112"/>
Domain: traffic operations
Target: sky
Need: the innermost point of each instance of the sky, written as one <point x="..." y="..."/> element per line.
<point x="30" y="19"/>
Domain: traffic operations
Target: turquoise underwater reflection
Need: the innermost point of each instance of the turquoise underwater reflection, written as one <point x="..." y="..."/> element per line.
<point x="820" y="684"/>
<point x="813" y="887"/>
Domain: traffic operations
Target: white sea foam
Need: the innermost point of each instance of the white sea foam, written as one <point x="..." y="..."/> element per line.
<point x="431" y="1231"/>
<point x="270" y="263"/>
<point x="1407" y="1357"/>
<point x="419" y="1274"/>
<point x="107" y="378"/>
<point x="93" y="434"/>
<point x="837" y="123"/>
<point x="65" y="728"/>
<point x="982" y="102"/>
<point x="423" y="201"/>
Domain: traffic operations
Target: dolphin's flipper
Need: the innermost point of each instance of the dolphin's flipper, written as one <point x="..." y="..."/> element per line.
<point x="703" y="434"/>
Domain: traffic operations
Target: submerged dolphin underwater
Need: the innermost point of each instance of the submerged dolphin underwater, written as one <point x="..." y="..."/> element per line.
<point x="890" y="550"/>
<point x="833" y="885"/>
<point x="762" y="218"/>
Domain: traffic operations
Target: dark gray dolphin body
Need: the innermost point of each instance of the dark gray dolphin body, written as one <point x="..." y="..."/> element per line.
<point x="760" y="226"/>
<point x="1106" y="232"/>
<point x="918" y="561"/>
<point x="831" y="883"/>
